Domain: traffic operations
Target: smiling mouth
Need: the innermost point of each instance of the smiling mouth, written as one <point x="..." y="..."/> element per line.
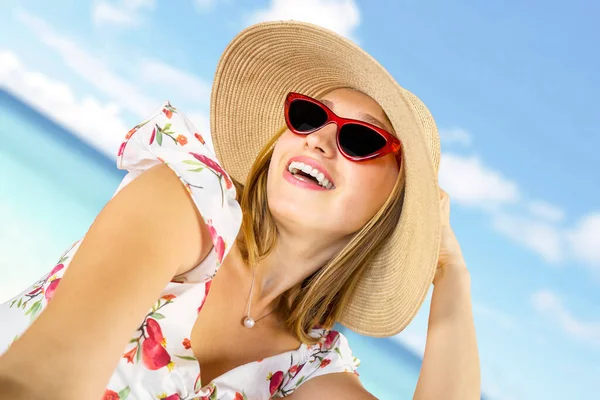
<point x="300" y="169"/>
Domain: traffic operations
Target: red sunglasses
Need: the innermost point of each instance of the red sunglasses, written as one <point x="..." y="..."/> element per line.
<point x="356" y="140"/>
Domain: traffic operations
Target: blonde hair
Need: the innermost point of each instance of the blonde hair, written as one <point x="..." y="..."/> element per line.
<point x="320" y="298"/>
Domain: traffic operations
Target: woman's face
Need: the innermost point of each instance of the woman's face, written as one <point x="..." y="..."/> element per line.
<point x="359" y="188"/>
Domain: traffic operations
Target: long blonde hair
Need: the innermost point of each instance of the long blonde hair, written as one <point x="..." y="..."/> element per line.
<point x="320" y="298"/>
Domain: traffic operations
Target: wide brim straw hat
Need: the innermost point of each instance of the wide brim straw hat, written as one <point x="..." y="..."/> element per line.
<point x="256" y="71"/>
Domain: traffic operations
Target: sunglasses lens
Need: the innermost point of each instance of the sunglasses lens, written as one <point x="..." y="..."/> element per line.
<point x="305" y="116"/>
<point x="360" y="141"/>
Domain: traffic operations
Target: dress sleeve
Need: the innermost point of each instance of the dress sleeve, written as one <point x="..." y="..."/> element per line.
<point x="168" y="136"/>
<point x="330" y="355"/>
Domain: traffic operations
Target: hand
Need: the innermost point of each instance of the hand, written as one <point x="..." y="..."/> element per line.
<point x="450" y="253"/>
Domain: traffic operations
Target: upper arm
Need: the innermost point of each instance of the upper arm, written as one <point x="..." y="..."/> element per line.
<point x="145" y="235"/>
<point x="333" y="386"/>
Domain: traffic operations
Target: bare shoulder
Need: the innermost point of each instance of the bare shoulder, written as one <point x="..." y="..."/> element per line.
<point x="161" y="201"/>
<point x="334" y="386"/>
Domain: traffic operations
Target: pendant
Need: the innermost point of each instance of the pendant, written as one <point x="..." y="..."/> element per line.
<point x="249" y="322"/>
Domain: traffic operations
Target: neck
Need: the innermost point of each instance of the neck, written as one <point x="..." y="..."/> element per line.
<point x="293" y="259"/>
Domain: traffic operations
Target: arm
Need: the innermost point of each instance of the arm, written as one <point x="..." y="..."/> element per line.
<point x="336" y="386"/>
<point x="144" y="236"/>
<point x="450" y="367"/>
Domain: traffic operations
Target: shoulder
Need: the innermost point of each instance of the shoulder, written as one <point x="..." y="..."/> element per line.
<point x="334" y="386"/>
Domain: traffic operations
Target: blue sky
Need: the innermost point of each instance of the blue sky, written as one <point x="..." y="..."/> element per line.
<point x="514" y="90"/>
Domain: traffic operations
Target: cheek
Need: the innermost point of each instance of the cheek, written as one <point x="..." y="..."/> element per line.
<point x="368" y="190"/>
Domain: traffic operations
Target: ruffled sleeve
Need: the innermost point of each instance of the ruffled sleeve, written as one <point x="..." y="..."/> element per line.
<point x="168" y="136"/>
<point x="330" y="355"/>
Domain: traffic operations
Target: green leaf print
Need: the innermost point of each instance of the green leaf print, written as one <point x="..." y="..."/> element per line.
<point x="213" y="396"/>
<point x="157" y="315"/>
<point x="124" y="393"/>
<point x="337" y="350"/>
<point x="138" y="353"/>
<point x="300" y="381"/>
<point x="159" y="137"/>
<point x="196" y="169"/>
<point x="34" y="310"/>
<point x="19" y="303"/>
<point x="192" y="162"/>
<point x="167" y="126"/>
<point x="189" y="358"/>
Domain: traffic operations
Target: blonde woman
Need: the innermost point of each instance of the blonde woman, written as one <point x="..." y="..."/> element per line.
<point x="220" y="276"/>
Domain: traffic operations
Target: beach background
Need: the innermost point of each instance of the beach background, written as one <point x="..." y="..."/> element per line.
<point x="514" y="93"/>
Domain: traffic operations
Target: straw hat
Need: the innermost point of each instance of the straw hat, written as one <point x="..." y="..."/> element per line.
<point x="256" y="71"/>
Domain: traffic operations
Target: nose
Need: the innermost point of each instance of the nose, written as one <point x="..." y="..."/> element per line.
<point x="324" y="140"/>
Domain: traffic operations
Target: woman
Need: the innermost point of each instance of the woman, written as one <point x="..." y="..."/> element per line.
<point x="335" y="166"/>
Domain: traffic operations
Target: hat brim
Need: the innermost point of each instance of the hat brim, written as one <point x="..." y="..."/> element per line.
<point x="256" y="71"/>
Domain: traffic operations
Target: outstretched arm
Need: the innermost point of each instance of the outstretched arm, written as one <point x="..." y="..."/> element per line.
<point x="450" y="367"/>
<point x="146" y="234"/>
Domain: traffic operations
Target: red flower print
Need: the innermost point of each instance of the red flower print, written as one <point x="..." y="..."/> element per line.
<point x="218" y="241"/>
<point x="51" y="288"/>
<point x="220" y="248"/>
<point x="130" y="354"/>
<point x="56" y="269"/>
<point x="153" y="135"/>
<point x="295" y="369"/>
<point x="186" y="343"/>
<point x="168" y="112"/>
<point x="168" y="297"/>
<point x="121" y="149"/>
<point x="275" y="381"/>
<point x="131" y="132"/>
<point x="155" y="356"/>
<point x="215" y="167"/>
<point x="35" y="291"/>
<point x="239" y="396"/>
<point x="211" y="389"/>
<point x="110" y="395"/>
<point x="154" y="330"/>
<point x="206" y="290"/>
<point x="182" y="140"/>
<point x="199" y="137"/>
<point x="171" y="397"/>
<point x="330" y="339"/>
<point x="324" y="362"/>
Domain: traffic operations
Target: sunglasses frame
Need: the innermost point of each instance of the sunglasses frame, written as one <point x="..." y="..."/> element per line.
<point x="392" y="143"/>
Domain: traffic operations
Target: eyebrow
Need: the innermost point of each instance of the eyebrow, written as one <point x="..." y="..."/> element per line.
<point x="365" y="117"/>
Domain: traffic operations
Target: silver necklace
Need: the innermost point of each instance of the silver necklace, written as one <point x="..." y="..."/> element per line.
<point x="249" y="322"/>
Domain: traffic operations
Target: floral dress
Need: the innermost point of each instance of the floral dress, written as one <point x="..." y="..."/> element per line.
<point x="158" y="362"/>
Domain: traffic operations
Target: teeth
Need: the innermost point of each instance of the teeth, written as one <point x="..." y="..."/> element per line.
<point x="296" y="166"/>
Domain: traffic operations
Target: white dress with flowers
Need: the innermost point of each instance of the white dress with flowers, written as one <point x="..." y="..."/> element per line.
<point x="158" y="362"/>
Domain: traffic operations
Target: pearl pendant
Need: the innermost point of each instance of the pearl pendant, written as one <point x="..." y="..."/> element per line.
<point x="249" y="322"/>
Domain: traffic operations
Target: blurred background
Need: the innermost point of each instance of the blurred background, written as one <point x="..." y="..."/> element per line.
<point x="513" y="87"/>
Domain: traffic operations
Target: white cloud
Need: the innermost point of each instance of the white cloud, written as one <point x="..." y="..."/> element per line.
<point x="455" y="135"/>
<point x="471" y="183"/>
<point x="585" y="240"/>
<point x="341" y="16"/>
<point x="541" y="237"/>
<point x="546" y="211"/>
<point x="204" y="5"/>
<point x="98" y="123"/>
<point x="189" y="86"/>
<point x="124" y="94"/>
<point x="90" y="68"/>
<point x="124" y="13"/>
<point x="551" y="306"/>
